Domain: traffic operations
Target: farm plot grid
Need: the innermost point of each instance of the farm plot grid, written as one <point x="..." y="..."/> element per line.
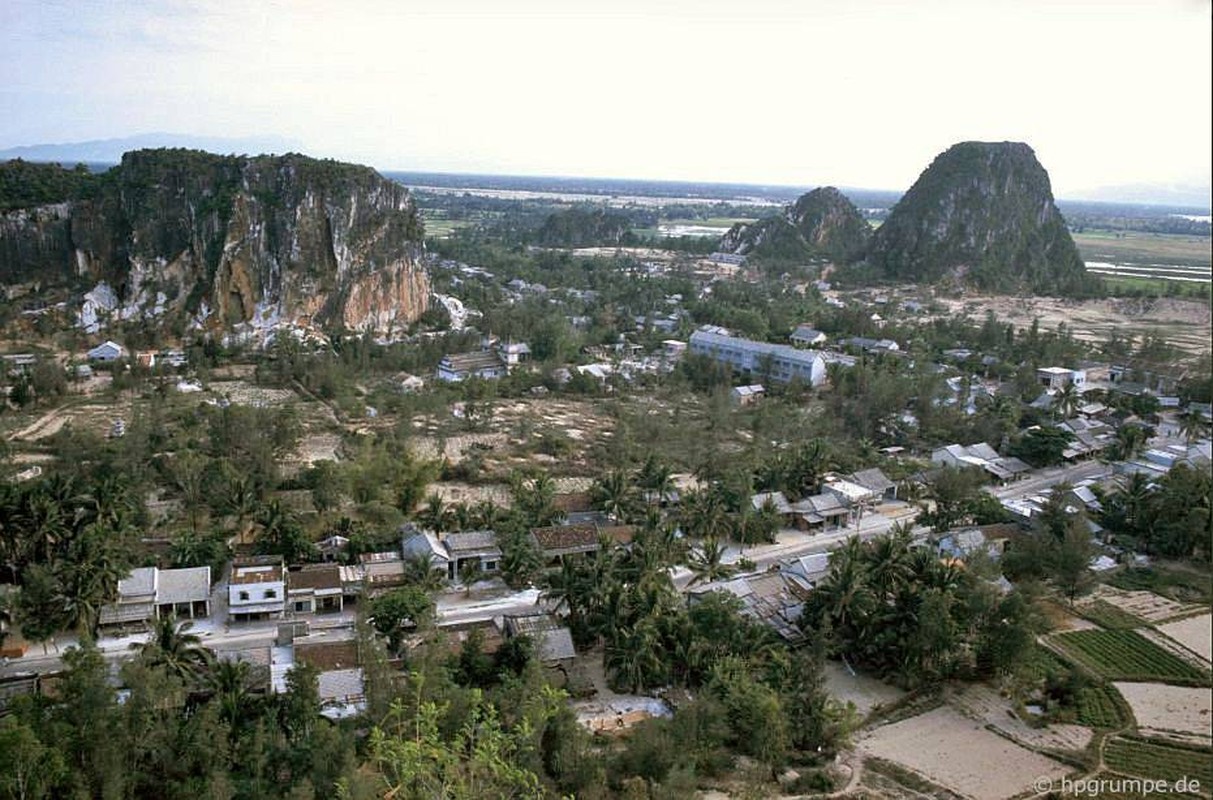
<point x="1127" y="655"/>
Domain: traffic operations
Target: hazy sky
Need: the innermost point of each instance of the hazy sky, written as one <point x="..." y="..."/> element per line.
<point x="858" y="93"/>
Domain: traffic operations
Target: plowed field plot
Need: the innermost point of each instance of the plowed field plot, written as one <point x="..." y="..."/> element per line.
<point x="961" y="755"/>
<point x="1193" y="633"/>
<point x="1180" y="709"/>
<point x="1127" y="655"/>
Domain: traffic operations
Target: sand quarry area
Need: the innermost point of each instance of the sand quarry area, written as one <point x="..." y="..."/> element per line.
<point x="1180" y="709"/>
<point x="1186" y="324"/>
<point x="961" y="755"/>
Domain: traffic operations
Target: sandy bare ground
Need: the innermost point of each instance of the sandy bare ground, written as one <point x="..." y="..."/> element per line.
<point x="455" y="492"/>
<point x="1186" y="324"/>
<point x="987" y="705"/>
<point x="454" y="448"/>
<point x="1193" y="633"/>
<point x="318" y="447"/>
<point x="246" y="394"/>
<point x="864" y="691"/>
<point x="1145" y="605"/>
<point x="1159" y="707"/>
<point x="961" y="755"/>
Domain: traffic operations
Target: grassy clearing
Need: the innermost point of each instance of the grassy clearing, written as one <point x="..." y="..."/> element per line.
<point x="1126" y="655"/>
<point x="1144" y="248"/>
<point x="1102" y="707"/>
<point x="1159" y="761"/>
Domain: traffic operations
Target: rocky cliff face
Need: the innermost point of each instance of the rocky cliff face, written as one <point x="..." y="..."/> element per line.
<point x="821" y="224"/>
<point x="982" y="212"/>
<point x="229" y="243"/>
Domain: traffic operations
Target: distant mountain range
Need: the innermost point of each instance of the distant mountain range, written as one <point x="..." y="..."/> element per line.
<point x="109" y="151"/>
<point x="1192" y="197"/>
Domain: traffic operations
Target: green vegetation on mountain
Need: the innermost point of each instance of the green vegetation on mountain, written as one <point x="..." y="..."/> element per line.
<point x="585" y="227"/>
<point x="822" y="223"/>
<point x="23" y="184"/>
<point x="983" y="213"/>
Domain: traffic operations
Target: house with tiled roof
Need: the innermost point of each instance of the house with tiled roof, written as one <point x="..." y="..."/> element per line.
<point x="557" y="542"/>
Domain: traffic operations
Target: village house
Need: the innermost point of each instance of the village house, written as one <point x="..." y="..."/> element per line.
<point x="1055" y="378"/>
<point x="747" y="395"/>
<point x="486" y="364"/>
<point x="806" y="335"/>
<point x="553" y="641"/>
<point x="257" y="588"/>
<point x="106" y="352"/>
<point x="875" y="482"/>
<point x="766" y="597"/>
<point x="471" y="548"/>
<point x="150" y="593"/>
<point x="557" y="542"/>
<point x="981" y="456"/>
<point x="315" y="588"/>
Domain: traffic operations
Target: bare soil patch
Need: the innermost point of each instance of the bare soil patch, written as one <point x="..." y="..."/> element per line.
<point x="961" y="755"/>
<point x="987" y="705"/>
<point x="247" y="394"/>
<point x="864" y="691"/>
<point x="1179" y="709"/>
<point x="1186" y="324"/>
<point x="1193" y="633"/>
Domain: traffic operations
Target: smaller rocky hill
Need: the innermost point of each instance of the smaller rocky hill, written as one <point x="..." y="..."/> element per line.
<point x="821" y="224"/>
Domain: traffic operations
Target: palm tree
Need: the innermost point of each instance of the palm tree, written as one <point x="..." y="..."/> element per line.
<point x="656" y="479"/>
<point x="172" y="646"/>
<point x="435" y="515"/>
<point x="1068" y="400"/>
<point x="231" y="684"/>
<point x="241" y="501"/>
<point x="707" y="563"/>
<point x="636" y="656"/>
<point x="1130" y="441"/>
<point x="1193" y="426"/>
<point x="615" y="495"/>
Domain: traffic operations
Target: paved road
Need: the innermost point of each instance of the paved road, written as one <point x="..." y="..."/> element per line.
<point x="1041" y="481"/>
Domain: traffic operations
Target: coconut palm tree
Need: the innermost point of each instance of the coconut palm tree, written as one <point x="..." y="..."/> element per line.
<point x="636" y="656"/>
<point x="707" y="562"/>
<point x="1193" y="426"/>
<point x="435" y="516"/>
<point x="1067" y="400"/>
<point x="231" y="684"/>
<point x="615" y="495"/>
<point x="173" y="647"/>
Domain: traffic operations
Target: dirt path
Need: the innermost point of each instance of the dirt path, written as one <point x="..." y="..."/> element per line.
<point x="46" y="425"/>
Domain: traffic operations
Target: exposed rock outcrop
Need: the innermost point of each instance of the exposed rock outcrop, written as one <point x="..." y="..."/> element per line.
<point x="228" y="243"/>
<point x="982" y="212"/>
<point x="822" y="223"/>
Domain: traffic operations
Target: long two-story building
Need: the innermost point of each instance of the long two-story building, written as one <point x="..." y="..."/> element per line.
<point x="777" y="362"/>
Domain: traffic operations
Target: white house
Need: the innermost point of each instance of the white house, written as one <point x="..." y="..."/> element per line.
<point x="779" y="362"/>
<point x="257" y="588"/>
<point x="514" y="353"/>
<point x="106" y="351"/>
<point x="149" y="593"/>
<point x="1060" y="377"/>
<point x="807" y="336"/>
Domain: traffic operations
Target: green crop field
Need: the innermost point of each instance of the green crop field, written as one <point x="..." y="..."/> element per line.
<point x="1128" y="247"/>
<point x="1102" y="707"/>
<point x="1106" y="615"/>
<point x="1126" y="655"/>
<point x="1159" y="760"/>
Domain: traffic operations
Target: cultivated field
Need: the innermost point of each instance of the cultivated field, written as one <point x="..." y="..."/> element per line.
<point x="1193" y="633"/>
<point x="1126" y="655"/>
<point x="1151" y="607"/>
<point x="863" y="690"/>
<point x="1129" y="247"/>
<point x="1159" y="761"/>
<point x="961" y="755"/>
<point x="1160" y="707"/>
<point x="986" y="704"/>
<point x="1102" y="707"/>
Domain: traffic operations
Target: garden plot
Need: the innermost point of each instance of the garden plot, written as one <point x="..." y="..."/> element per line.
<point x="986" y="705"/>
<point x="1160" y="761"/>
<point x="1176" y="649"/>
<point x="1151" y="607"/>
<point x="318" y="447"/>
<point x="864" y="691"/>
<point x="1178" y="709"/>
<point x="1193" y="633"/>
<point x="1126" y="655"/>
<point x="961" y="755"/>
<point x="456" y="492"/>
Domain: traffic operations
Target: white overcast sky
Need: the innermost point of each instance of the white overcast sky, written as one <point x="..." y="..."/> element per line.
<point x="799" y="92"/>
